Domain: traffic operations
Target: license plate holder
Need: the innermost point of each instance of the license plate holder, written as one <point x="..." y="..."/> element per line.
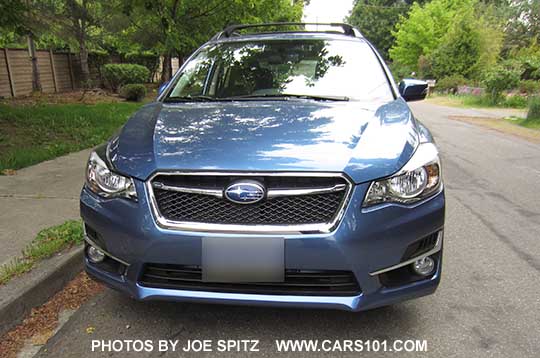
<point x="242" y="260"/>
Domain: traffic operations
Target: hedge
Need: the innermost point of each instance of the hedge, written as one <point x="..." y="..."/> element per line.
<point x="117" y="75"/>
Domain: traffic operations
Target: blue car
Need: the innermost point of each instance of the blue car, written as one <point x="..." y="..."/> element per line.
<point x="277" y="167"/>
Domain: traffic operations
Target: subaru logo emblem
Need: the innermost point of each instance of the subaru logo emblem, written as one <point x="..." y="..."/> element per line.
<point x="245" y="192"/>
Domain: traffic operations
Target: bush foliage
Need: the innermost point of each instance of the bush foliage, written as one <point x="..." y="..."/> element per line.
<point x="529" y="87"/>
<point x="534" y="109"/>
<point x="118" y="75"/>
<point x="515" y="101"/>
<point x="133" y="92"/>
<point x="499" y="79"/>
<point x="450" y="83"/>
<point x="148" y="60"/>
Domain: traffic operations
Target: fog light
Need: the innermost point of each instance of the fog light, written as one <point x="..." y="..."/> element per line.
<point x="94" y="254"/>
<point x="424" y="266"/>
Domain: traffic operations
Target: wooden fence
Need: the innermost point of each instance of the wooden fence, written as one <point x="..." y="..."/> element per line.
<point x="57" y="72"/>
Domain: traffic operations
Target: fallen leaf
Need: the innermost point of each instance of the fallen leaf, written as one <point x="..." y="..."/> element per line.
<point x="42" y="338"/>
<point x="9" y="172"/>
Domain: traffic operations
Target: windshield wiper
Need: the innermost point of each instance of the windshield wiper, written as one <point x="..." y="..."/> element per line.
<point x="200" y="98"/>
<point x="285" y="96"/>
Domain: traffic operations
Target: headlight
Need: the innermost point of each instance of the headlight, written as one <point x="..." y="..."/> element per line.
<point x="102" y="181"/>
<point x="417" y="180"/>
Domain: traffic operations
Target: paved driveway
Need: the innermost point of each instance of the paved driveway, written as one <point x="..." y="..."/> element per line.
<point x="488" y="303"/>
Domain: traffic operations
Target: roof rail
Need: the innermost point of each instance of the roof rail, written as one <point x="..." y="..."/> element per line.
<point x="229" y="31"/>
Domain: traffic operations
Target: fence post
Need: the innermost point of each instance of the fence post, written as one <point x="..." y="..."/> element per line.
<point x="10" y="78"/>
<point x="71" y="71"/>
<point x="51" y="57"/>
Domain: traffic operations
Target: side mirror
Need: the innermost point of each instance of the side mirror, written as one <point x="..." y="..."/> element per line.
<point x="162" y="88"/>
<point x="413" y="90"/>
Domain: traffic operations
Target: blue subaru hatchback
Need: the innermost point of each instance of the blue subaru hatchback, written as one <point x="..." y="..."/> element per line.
<point x="277" y="168"/>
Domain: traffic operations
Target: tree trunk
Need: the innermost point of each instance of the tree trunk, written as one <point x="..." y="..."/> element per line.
<point x="83" y="57"/>
<point x="82" y="21"/>
<point x="166" y="68"/>
<point x="36" y="77"/>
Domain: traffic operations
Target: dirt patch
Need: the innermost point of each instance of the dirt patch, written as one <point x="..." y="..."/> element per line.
<point x="92" y="96"/>
<point x="503" y="126"/>
<point x="39" y="326"/>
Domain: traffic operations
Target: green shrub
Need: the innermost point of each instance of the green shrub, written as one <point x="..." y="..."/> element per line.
<point x="528" y="60"/>
<point x="146" y="59"/>
<point x="450" y="83"/>
<point x="133" y="92"/>
<point x="515" y="101"/>
<point x="534" y="109"/>
<point x="117" y="75"/>
<point x="499" y="79"/>
<point x="529" y="87"/>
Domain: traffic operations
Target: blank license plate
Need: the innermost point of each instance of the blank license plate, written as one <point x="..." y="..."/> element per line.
<point x="243" y="259"/>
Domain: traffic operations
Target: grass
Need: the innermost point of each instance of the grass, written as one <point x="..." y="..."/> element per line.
<point x="524" y="122"/>
<point x="31" y="134"/>
<point x="47" y="243"/>
<point x="470" y="101"/>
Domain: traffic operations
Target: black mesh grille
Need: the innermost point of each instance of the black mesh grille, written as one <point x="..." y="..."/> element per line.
<point x="421" y="246"/>
<point x="297" y="282"/>
<point x="290" y="210"/>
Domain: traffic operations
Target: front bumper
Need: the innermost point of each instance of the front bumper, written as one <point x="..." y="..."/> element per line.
<point x="363" y="243"/>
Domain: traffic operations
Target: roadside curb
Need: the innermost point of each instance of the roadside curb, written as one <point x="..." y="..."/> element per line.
<point x="20" y="295"/>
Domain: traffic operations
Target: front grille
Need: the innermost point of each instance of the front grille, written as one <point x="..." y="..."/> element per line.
<point x="305" y="209"/>
<point x="284" y="210"/>
<point x="297" y="282"/>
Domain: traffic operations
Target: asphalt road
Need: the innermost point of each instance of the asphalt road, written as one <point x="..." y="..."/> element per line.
<point x="488" y="303"/>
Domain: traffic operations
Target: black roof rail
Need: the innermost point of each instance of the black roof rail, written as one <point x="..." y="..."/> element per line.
<point x="230" y="30"/>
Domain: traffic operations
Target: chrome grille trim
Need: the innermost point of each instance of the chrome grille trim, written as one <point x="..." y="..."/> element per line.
<point x="275" y="193"/>
<point x="271" y="193"/>
<point x="183" y="189"/>
<point x="250" y="229"/>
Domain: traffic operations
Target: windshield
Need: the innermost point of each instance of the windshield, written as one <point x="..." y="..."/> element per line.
<point x="318" y="69"/>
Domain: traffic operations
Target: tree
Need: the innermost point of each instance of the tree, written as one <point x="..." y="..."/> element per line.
<point x="78" y="20"/>
<point x="21" y="19"/>
<point x="453" y="37"/>
<point x="54" y="22"/>
<point x="177" y="27"/>
<point x="524" y="24"/>
<point x="470" y="46"/>
<point x="424" y="29"/>
<point x="376" y="20"/>
<point x="12" y="15"/>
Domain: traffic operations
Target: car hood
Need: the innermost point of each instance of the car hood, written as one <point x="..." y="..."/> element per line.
<point x="365" y="141"/>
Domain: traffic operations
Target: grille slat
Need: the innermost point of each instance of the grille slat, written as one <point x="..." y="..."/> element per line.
<point x="194" y="271"/>
<point x="161" y="277"/>
<point x="297" y="282"/>
<point x="287" y="210"/>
